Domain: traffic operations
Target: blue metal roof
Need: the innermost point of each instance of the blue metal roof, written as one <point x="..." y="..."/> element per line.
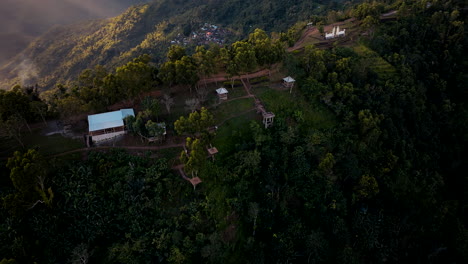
<point x="109" y="119"/>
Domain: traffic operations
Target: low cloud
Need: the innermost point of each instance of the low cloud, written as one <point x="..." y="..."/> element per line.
<point x="27" y="73"/>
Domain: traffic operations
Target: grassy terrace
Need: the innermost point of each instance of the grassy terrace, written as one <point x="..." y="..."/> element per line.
<point x="384" y="69"/>
<point x="284" y="104"/>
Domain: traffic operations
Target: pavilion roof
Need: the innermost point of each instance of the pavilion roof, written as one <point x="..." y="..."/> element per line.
<point x="221" y="90"/>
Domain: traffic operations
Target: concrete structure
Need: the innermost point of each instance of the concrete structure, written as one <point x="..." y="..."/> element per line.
<point x="267" y="116"/>
<point x="341" y="33"/>
<point x="108" y="125"/>
<point x="330" y="35"/>
<point x="222" y="93"/>
<point x="336" y="32"/>
<point x="268" y="119"/>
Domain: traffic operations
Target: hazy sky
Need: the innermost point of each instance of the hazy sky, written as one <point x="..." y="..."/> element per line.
<point x="22" y="20"/>
<point x="27" y="16"/>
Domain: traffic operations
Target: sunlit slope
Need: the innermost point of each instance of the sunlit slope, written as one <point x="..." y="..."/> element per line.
<point x="62" y="53"/>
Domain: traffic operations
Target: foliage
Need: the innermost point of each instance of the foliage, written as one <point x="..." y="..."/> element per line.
<point x="195" y="157"/>
<point x="62" y="53"/>
<point x="197" y="122"/>
<point x="155" y="129"/>
<point x="28" y="173"/>
<point x="359" y="167"/>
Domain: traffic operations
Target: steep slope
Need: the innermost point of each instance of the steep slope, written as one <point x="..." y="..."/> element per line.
<point x="62" y="53"/>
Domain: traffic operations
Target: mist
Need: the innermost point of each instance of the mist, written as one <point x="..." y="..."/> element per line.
<point x="23" y="20"/>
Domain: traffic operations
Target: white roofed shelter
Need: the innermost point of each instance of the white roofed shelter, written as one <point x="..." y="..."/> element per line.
<point x="108" y="125"/>
<point x="222" y="93"/>
<point x="288" y="82"/>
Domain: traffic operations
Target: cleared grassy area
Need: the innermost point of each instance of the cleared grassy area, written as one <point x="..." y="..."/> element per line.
<point x="232" y="108"/>
<point x="236" y="92"/>
<point x="384" y="69"/>
<point x="47" y="145"/>
<point x="284" y="104"/>
<point x="234" y="132"/>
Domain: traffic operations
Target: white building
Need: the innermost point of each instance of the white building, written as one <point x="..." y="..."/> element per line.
<point x="330" y="35"/>
<point x="108" y="125"/>
<point x="335" y="33"/>
<point x="340" y="33"/>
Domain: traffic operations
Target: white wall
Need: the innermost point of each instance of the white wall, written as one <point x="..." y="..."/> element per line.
<point x="108" y="136"/>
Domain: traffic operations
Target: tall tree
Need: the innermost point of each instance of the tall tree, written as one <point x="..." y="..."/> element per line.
<point x="28" y="173"/>
<point x="205" y="61"/>
<point x="175" y="53"/>
<point x="168" y="102"/>
<point x="195" y="158"/>
<point x="244" y="56"/>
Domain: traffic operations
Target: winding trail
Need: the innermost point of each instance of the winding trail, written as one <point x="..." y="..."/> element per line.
<point x="220" y="77"/>
<point x="181" y="145"/>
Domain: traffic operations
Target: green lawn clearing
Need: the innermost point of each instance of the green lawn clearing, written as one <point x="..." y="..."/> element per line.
<point x="232" y="108"/>
<point x="286" y="105"/>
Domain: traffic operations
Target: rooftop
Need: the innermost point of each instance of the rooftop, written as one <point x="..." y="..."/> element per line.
<point x="221" y="90"/>
<point x="289" y="79"/>
<point x="108" y="119"/>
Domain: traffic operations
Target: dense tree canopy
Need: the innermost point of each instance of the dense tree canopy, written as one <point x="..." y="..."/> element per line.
<point x="384" y="181"/>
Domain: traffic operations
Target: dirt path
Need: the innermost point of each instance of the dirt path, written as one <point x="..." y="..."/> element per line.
<point x="221" y="77"/>
<point x="247" y="86"/>
<point x="124" y="147"/>
<point x="299" y="43"/>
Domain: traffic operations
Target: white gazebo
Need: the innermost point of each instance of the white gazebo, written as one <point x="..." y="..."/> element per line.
<point x="108" y="125"/>
<point x="288" y="82"/>
<point x="222" y="93"/>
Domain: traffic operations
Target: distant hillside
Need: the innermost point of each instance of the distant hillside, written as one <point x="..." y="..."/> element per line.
<point x="63" y="52"/>
<point x="23" y="20"/>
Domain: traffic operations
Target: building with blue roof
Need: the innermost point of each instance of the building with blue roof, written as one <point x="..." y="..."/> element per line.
<point x="108" y="125"/>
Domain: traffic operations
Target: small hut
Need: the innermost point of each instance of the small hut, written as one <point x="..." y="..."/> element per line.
<point x="268" y="119"/>
<point x="288" y="82"/>
<point x="222" y="93"/>
<point x="212" y="151"/>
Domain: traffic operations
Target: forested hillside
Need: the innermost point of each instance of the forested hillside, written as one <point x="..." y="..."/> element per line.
<point x="365" y="161"/>
<point x="62" y="53"/>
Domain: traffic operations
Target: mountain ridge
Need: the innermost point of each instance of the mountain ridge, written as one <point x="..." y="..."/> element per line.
<point x="63" y="52"/>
